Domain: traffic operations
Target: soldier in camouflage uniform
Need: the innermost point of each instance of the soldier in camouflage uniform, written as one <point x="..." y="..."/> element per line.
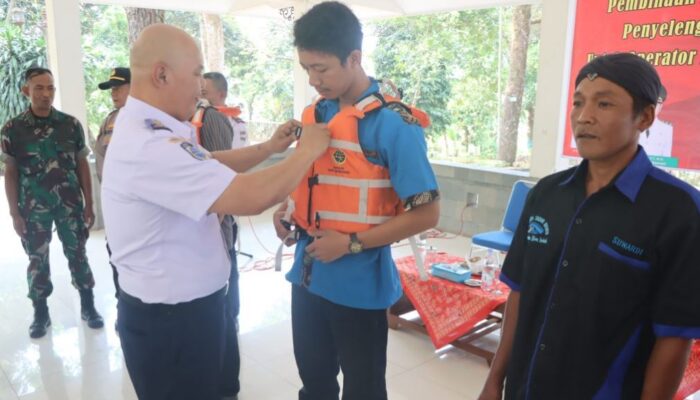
<point x="46" y="170"/>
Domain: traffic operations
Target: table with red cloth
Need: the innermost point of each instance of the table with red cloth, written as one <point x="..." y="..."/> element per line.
<point x="450" y="313"/>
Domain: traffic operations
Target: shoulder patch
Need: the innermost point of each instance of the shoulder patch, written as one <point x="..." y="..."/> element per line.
<point x="404" y="112"/>
<point x="155" y="125"/>
<point x="197" y="152"/>
<point x="420" y="199"/>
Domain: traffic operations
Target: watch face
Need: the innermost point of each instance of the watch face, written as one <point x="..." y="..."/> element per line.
<point x="355" y="247"/>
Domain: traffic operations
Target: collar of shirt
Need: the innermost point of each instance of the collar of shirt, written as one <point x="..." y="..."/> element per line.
<point x="33" y="119"/>
<point x="629" y="181"/>
<point x="327" y="108"/>
<point x="138" y="108"/>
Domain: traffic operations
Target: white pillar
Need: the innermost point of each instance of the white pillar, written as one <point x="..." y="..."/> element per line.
<point x="556" y="39"/>
<point x="66" y="62"/>
<point x="303" y="92"/>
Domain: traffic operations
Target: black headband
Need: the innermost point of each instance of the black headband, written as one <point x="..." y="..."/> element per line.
<point x="631" y="72"/>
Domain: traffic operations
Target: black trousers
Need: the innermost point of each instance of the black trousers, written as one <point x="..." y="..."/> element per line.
<point x="230" y="384"/>
<point x="173" y="352"/>
<point x="328" y="337"/>
<point x="115" y="274"/>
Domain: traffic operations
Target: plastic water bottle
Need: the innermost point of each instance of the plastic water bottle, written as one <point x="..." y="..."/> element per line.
<point x="489" y="275"/>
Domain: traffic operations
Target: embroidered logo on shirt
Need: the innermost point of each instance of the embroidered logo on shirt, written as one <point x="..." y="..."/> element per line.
<point x="638" y="251"/>
<point x="155" y="125"/>
<point x="195" y="151"/>
<point x="537" y="230"/>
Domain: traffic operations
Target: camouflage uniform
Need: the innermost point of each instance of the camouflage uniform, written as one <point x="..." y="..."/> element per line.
<point x="46" y="152"/>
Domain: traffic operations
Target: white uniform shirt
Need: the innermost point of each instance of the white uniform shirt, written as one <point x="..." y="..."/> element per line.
<point x="240" y="133"/>
<point x="157" y="187"/>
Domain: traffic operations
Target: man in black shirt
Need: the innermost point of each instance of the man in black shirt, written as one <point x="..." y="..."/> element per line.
<point x="605" y="264"/>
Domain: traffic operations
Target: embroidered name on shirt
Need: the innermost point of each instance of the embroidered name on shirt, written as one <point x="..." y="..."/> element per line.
<point x="195" y="151"/>
<point x="537" y="230"/>
<point x="627" y="246"/>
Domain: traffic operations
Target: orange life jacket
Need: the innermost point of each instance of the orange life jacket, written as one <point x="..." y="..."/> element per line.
<point x="343" y="191"/>
<point x="233" y="112"/>
<point x="196" y="120"/>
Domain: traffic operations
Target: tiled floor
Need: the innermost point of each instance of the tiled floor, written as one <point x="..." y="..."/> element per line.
<point x="75" y="362"/>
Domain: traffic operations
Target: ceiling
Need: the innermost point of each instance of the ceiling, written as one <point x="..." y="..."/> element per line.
<point x="365" y="9"/>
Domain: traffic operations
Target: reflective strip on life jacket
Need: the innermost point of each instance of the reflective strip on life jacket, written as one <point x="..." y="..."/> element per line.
<point x="356" y="218"/>
<point x="363" y="197"/>
<point x="362" y="104"/>
<point x="345" y="145"/>
<point x="358" y="183"/>
<point x="232" y="112"/>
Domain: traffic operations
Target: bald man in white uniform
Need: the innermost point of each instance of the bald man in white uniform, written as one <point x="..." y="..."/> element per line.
<point x="161" y="195"/>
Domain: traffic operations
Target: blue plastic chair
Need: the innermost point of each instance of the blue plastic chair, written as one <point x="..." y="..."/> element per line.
<point x="500" y="240"/>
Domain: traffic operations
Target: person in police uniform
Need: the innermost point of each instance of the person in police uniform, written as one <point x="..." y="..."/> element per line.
<point x="161" y="195"/>
<point x="118" y="83"/>
<point x="603" y="266"/>
<point x="47" y="182"/>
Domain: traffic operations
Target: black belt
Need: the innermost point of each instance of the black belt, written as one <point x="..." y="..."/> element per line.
<point x="169" y="308"/>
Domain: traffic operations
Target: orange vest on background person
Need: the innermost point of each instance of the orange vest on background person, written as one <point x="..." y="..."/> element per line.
<point x="196" y="120"/>
<point x="198" y="117"/>
<point x="232" y="112"/>
<point x="343" y="191"/>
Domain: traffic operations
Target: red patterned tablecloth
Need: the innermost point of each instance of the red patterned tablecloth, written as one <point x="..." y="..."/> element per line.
<point x="448" y="309"/>
<point x="691" y="378"/>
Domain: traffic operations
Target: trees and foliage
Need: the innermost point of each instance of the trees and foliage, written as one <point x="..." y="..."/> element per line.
<point x="105" y="46"/>
<point x="212" y="32"/>
<point x="140" y="18"/>
<point x="21" y="53"/>
<point x="513" y="96"/>
<point x="21" y="47"/>
<point x="454" y="65"/>
<point x="271" y="75"/>
<point x="457" y="73"/>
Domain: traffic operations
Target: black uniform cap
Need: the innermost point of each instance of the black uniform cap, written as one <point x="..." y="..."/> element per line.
<point x="119" y="76"/>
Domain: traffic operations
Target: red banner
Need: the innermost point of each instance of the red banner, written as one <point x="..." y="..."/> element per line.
<point x="667" y="34"/>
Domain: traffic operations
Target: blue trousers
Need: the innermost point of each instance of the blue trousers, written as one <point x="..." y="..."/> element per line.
<point x="327" y="337"/>
<point x="173" y="352"/>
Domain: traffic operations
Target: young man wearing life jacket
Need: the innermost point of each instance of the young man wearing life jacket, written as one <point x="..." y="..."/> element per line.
<point x="374" y="186"/>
